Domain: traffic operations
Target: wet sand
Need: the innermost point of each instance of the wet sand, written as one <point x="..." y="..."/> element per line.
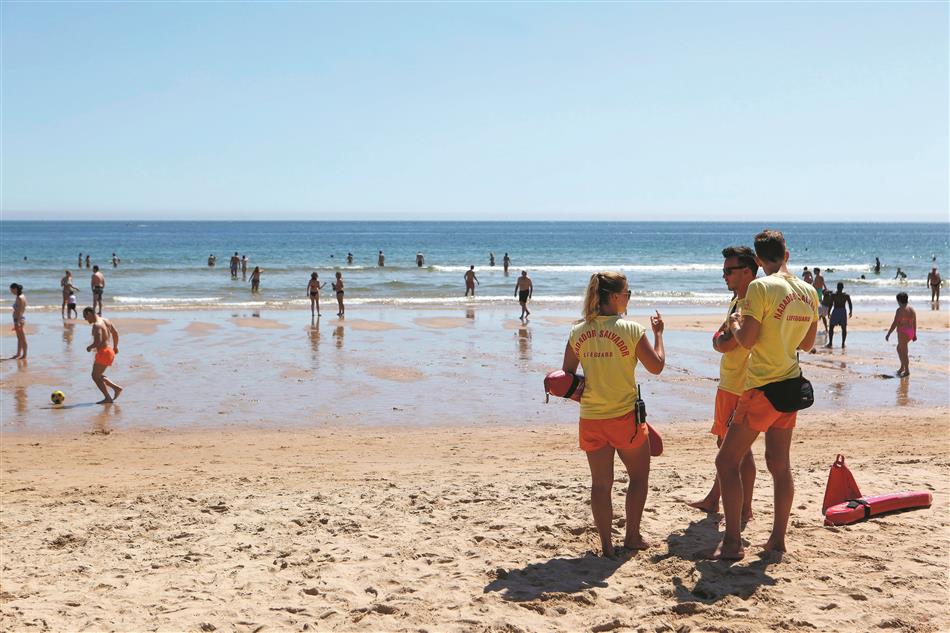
<point x="405" y="476"/>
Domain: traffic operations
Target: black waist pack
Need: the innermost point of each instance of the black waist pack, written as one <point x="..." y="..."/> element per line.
<point x="789" y="395"/>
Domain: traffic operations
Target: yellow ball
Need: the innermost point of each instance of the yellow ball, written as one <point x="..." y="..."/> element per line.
<point x="57" y="397"/>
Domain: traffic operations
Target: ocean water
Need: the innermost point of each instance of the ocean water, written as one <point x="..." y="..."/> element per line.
<point x="164" y="264"/>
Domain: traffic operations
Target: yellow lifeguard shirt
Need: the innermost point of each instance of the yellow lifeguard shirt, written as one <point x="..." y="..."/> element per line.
<point x="785" y="307"/>
<point x="733" y="364"/>
<point x="607" y="349"/>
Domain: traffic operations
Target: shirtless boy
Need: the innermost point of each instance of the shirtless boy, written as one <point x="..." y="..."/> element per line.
<point x="523" y="290"/>
<point x="470" y="281"/>
<point x="739" y="270"/>
<point x="839" y="300"/>
<point x="103" y="333"/>
<point x="779" y="317"/>
<point x="98" y="283"/>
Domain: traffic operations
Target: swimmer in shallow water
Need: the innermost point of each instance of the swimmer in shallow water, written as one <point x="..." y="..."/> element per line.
<point x="905" y="322"/>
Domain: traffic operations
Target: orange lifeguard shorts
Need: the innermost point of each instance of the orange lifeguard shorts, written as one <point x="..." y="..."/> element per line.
<point x="622" y="432"/>
<point x="725" y="406"/>
<point x="755" y="411"/>
<point x="105" y="356"/>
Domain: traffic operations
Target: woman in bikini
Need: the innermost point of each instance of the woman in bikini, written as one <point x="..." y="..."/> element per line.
<point x="905" y="322"/>
<point x="256" y="279"/>
<point x="338" y="287"/>
<point x="19" y="319"/>
<point x="313" y="290"/>
<point x="608" y="347"/>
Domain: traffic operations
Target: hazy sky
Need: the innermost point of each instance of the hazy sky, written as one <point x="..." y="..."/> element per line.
<point x="495" y="111"/>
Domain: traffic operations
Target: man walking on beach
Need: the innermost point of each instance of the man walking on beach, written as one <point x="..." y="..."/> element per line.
<point x="933" y="281"/>
<point x="470" y="281"/>
<point x="778" y="317"/>
<point x="739" y="270"/>
<point x="103" y="333"/>
<point x="523" y="290"/>
<point x="98" y="285"/>
<point x="839" y="300"/>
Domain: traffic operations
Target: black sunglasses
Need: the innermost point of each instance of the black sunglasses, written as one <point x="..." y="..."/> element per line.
<point x="727" y="270"/>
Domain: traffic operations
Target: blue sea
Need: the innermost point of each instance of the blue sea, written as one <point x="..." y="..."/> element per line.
<point x="164" y="264"/>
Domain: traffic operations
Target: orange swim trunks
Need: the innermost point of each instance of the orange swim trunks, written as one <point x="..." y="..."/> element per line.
<point x="105" y="356"/>
<point x="622" y="432"/>
<point x="725" y="405"/>
<point x="755" y="411"/>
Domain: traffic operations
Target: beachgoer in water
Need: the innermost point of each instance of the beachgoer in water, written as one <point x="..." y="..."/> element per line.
<point x="381" y="259"/>
<point x="115" y="260"/>
<point x="212" y="260"/>
<point x="905" y="322"/>
<point x="256" y="279"/>
<point x="235" y="262"/>
<point x="243" y="265"/>
<point x="338" y="289"/>
<point x="103" y="333"/>
<point x="87" y="261"/>
<point x="313" y="291"/>
<point x="824" y="310"/>
<point x="491" y="259"/>
<point x="66" y="283"/>
<point x="774" y="344"/>
<point x="71" y="306"/>
<point x="506" y="262"/>
<point x="806" y="276"/>
<point x="420" y="259"/>
<point x="933" y="282"/>
<point x="19" y="320"/>
<point x="349" y="258"/>
<point x="877" y="266"/>
<point x="900" y="274"/>
<point x="608" y="348"/>
<point x="79" y="263"/>
<point x="818" y="283"/>
<point x="839" y="316"/>
<point x="523" y="290"/>
<point x="739" y="270"/>
<point x="470" y="281"/>
<point x="98" y="283"/>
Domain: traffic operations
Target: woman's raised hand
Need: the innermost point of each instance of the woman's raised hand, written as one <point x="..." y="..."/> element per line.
<point x="656" y="322"/>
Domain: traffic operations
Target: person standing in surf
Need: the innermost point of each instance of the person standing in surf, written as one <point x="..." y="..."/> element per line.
<point x="338" y="289"/>
<point x="313" y="291"/>
<point x="608" y="347"/>
<point x="523" y="290"/>
<point x="256" y="279"/>
<point x="470" y="281"/>
<point x="839" y="317"/>
<point x="98" y="283"/>
<point x="778" y="317"/>
<point x="739" y="270"/>
<point x="19" y="320"/>
<point x="905" y="322"/>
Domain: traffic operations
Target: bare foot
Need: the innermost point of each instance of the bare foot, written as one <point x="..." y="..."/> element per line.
<point x="773" y="545"/>
<point x="608" y="550"/>
<point x="706" y="505"/>
<point x="637" y="541"/>
<point x="117" y="390"/>
<point x="105" y="401"/>
<point x="746" y="517"/>
<point x="728" y="551"/>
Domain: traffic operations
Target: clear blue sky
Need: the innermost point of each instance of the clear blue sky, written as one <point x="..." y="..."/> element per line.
<point x="495" y="111"/>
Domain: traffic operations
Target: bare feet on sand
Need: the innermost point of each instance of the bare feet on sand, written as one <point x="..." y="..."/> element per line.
<point x="773" y="546"/>
<point x="728" y="551"/>
<point x="637" y="541"/>
<point x="117" y="390"/>
<point x="706" y="505"/>
<point x="105" y="401"/>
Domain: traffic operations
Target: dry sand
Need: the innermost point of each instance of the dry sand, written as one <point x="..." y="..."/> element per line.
<point x="449" y="529"/>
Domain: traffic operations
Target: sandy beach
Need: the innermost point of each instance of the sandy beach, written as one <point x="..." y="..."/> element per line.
<point x="400" y="471"/>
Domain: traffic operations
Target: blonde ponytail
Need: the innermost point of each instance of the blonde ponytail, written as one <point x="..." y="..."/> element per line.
<point x="600" y="286"/>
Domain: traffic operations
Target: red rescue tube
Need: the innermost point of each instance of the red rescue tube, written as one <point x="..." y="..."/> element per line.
<point x="564" y="385"/>
<point x="855" y="510"/>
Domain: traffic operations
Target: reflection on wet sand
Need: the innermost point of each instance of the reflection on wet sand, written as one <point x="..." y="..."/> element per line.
<point x="69" y="329"/>
<point x="934" y="305"/>
<point x="20" y="398"/>
<point x="524" y="342"/>
<point x="470" y="313"/>
<point x="839" y="390"/>
<point x="102" y="422"/>
<point x="903" y="392"/>
<point x="338" y="333"/>
<point x="314" y="334"/>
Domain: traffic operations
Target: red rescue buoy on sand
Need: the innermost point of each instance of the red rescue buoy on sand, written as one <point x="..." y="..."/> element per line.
<point x="844" y="503"/>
